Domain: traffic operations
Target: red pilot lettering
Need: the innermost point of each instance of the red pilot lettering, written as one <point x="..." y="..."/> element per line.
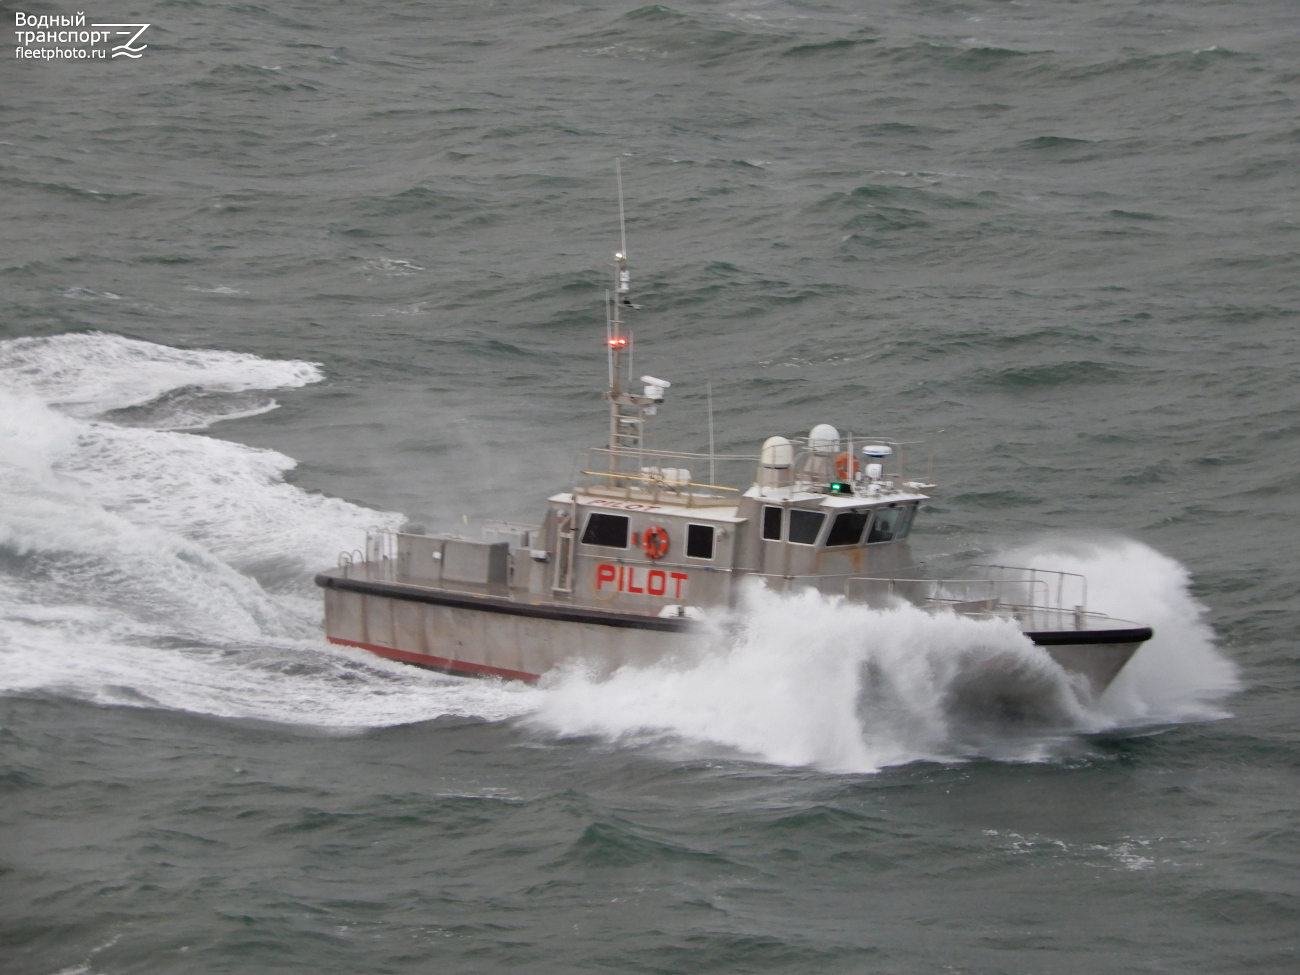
<point x="680" y="577"/>
<point x="624" y="580"/>
<point x="604" y="574"/>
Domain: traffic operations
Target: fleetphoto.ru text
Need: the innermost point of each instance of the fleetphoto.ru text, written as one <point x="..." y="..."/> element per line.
<point x="67" y="37"/>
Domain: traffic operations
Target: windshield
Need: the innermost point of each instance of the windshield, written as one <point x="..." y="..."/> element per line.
<point x="805" y="525"/>
<point x="885" y="526"/>
<point x="847" y="529"/>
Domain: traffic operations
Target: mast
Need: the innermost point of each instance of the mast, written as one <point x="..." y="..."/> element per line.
<point x="627" y="410"/>
<point x="622" y="298"/>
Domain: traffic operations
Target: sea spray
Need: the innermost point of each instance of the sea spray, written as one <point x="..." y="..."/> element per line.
<point x="808" y="679"/>
<point x="1177" y="675"/>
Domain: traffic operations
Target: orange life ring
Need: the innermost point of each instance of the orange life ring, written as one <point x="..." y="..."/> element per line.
<point x="655" y="542"/>
<point x="845" y="466"/>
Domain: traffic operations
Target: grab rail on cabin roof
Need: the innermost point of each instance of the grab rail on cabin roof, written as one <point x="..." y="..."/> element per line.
<point x="664" y="475"/>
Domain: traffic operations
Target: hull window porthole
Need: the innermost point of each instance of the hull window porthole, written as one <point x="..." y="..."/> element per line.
<point x="607" y="530"/>
<point x="699" y="541"/>
<point x="772" y="524"/>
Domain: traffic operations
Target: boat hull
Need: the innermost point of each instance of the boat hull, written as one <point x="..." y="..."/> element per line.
<point x="1100" y="663"/>
<point x="485" y="635"/>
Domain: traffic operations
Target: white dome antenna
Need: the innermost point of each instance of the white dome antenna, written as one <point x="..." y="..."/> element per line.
<point x="777" y="453"/>
<point x="824" y="439"/>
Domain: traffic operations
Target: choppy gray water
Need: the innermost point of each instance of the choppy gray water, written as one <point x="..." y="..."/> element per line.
<point x="303" y="269"/>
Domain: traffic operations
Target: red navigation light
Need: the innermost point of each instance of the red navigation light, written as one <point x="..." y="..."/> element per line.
<point x="617" y="342"/>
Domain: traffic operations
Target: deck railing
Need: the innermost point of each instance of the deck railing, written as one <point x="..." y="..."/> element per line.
<point x="1055" y="599"/>
<point x="664" y="476"/>
<point x="1017" y="591"/>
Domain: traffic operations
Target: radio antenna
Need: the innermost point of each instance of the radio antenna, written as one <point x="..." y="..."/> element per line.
<point x="609" y="338"/>
<point x="622" y="223"/>
<point x="713" y="474"/>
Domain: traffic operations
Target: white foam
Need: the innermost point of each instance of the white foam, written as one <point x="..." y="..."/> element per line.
<point x="229" y="498"/>
<point x="85" y="374"/>
<point x="137" y="554"/>
<point x="814" y="681"/>
<point x="1177" y="675"/>
<point x="306" y="683"/>
<point x="811" y="680"/>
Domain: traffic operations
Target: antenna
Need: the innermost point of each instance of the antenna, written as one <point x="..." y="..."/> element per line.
<point x="628" y="410"/>
<point x="622" y="223"/>
<point x="618" y="341"/>
<point x="609" y="338"/>
<point x="713" y="475"/>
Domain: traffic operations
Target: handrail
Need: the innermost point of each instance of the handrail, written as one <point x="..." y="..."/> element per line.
<point x="965" y="594"/>
<point x="657" y="480"/>
<point x="1033" y="573"/>
<point x="994" y="589"/>
<point x="648" y="452"/>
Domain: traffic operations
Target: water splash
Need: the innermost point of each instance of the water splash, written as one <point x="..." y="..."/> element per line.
<point x="807" y="679"/>
<point x="1177" y="675"/>
<point x="810" y="680"/>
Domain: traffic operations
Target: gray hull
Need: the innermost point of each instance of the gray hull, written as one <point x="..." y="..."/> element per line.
<point x="1099" y="662"/>
<point x="483" y="636"/>
<point x="492" y="635"/>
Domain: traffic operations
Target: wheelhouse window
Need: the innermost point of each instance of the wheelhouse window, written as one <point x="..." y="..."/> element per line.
<point x="905" y="523"/>
<point x="699" y="541"/>
<point x="805" y="525"/>
<point x="847" y="528"/>
<point x="607" y="530"/>
<point x="886" y="524"/>
<point x="772" y="524"/>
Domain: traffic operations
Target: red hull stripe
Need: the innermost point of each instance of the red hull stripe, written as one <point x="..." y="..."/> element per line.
<point x="441" y="663"/>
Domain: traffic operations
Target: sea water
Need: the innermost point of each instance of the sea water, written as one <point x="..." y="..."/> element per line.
<point x="297" y="272"/>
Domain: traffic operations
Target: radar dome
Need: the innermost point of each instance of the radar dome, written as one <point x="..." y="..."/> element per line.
<point x="824" y="439"/>
<point x="777" y="452"/>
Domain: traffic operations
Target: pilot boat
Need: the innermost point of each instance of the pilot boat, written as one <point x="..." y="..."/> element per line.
<point x="642" y="557"/>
